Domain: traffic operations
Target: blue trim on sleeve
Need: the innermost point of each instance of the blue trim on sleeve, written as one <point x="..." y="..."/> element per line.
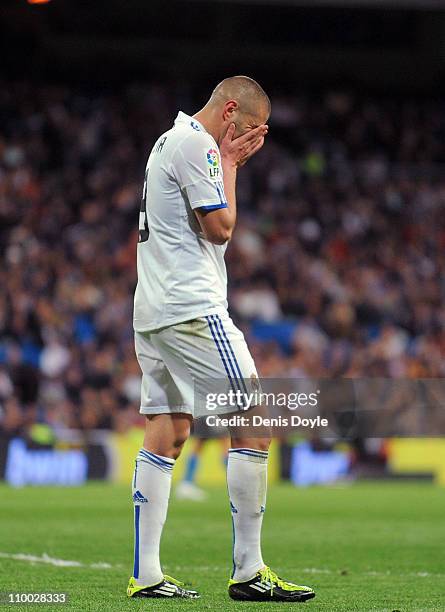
<point x="213" y="206"/>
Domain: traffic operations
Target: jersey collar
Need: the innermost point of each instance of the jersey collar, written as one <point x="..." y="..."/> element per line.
<point x="191" y="121"/>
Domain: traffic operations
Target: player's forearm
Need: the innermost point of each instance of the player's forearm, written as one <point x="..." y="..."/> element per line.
<point x="217" y="226"/>
<point x="229" y="178"/>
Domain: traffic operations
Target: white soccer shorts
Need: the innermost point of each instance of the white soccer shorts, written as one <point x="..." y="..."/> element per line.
<point x="191" y="359"/>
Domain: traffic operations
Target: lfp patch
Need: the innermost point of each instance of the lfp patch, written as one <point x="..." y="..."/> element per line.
<point x="213" y="162"/>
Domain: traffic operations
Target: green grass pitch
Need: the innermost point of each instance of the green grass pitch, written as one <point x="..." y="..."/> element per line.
<point x="363" y="547"/>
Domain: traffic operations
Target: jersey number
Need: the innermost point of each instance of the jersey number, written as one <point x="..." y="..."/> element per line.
<point x="144" y="231"/>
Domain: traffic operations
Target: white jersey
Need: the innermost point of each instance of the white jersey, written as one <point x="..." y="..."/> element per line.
<point x="181" y="276"/>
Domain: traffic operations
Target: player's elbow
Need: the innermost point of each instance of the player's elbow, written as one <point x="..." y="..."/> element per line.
<point x="220" y="236"/>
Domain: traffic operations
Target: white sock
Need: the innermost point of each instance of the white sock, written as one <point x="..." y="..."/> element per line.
<point x="151" y="491"/>
<point x="247" y="484"/>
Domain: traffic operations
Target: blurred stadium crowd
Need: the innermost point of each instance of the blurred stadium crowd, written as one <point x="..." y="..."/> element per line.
<point x="337" y="266"/>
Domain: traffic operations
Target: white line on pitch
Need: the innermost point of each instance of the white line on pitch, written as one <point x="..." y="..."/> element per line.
<point x="44" y="558"/>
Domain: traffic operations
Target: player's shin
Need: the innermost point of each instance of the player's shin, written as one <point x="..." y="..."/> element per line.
<point x="151" y="491"/>
<point x="247" y="484"/>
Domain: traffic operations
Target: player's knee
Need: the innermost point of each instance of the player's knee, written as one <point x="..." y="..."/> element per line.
<point x="166" y="435"/>
<point x="262" y="444"/>
<point x="168" y="448"/>
<point x="180" y="436"/>
<point x="178" y="444"/>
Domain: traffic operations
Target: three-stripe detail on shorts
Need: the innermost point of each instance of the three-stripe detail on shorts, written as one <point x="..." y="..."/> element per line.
<point x="232" y="353"/>
<point x="226" y="353"/>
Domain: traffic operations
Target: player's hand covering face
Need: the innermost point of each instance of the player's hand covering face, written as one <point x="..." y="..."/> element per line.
<point x="238" y="150"/>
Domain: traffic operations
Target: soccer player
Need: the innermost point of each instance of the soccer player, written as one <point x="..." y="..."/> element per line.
<point x="185" y="337"/>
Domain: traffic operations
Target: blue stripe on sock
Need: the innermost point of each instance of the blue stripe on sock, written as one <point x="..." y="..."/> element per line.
<point x="149" y="461"/>
<point x="137" y="510"/>
<point x="156" y="459"/>
<point x="253" y="452"/>
<point x="233" y="548"/>
<point x="153" y="461"/>
<point x="211" y="323"/>
<point x="250" y="450"/>
<point x="153" y="464"/>
<point x="250" y="454"/>
<point x="233" y="355"/>
<point x="155" y="456"/>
